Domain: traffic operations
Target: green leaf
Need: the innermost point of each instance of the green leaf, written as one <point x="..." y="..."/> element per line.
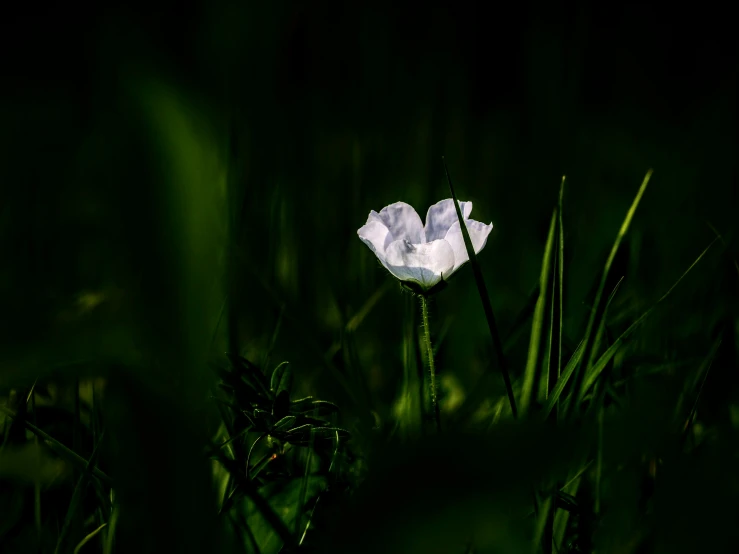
<point x="301" y="404"/>
<point x="330" y="433"/>
<point x="313" y="407"/>
<point x="282" y="378"/>
<point x="284" y="424"/>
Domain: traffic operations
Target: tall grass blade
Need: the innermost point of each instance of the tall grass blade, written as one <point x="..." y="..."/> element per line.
<point x="598" y="307"/>
<point x="564" y="379"/>
<point x="594" y="371"/>
<point x="543" y="518"/>
<point x="484" y="297"/>
<point x="88" y="538"/>
<point x="533" y="365"/>
<point x="558" y="300"/>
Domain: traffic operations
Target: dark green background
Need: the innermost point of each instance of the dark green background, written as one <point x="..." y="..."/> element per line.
<point x="329" y="110"/>
<point x="324" y="111"/>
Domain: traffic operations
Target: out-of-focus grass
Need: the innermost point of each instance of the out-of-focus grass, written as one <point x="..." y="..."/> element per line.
<point x="124" y="237"/>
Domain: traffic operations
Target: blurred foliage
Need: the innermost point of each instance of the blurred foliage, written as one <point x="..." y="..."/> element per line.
<point x="183" y="180"/>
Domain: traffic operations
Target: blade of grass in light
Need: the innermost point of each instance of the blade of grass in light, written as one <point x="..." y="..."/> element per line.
<point x="595" y="315"/>
<point x="561" y="517"/>
<point x="483" y="291"/>
<point x="554" y="342"/>
<point x="310" y="518"/>
<point x="550" y="377"/>
<point x="594" y="371"/>
<point x="88" y="538"/>
<point x="110" y="538"/>
<point x="559" y="289"/>
<point x="553" y="399"/>
<point x="570" y="368"/>
<point x="542" y="518"/>
<point x="602" y="331"/>
<point x="533" y="365"/>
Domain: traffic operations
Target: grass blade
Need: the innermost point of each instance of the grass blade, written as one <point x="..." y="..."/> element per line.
<point x="79" y="490"/>
<point x="558" y="296"/>
<point x="533" y="365"/>
<point x="59" y="448"/>
<point x="88" y="538"/>
<point x="484" y="297"/>
<point x="543" y="519"/>
<point x="110" y="538"/>
<point x="563" y="379"/>
<point x="597" y="368"/>
<point x="571" y="365"/>
<point x="597" y="311"/>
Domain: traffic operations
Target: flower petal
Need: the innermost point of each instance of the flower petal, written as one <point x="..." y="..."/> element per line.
<point x="478" y="234"/>
<point x="441" y="216"/>
<point x="375" y="235"/>
<point x="373" y="216"/>
<point x="425" y="264"/>
<point x="403" y="222"/>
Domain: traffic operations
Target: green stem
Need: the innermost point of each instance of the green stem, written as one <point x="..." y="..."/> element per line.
<point x="430" y="356"/>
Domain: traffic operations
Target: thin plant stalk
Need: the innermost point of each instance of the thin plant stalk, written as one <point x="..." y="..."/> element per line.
<point x="430" y="356"/>
<point x="484" y="297"/>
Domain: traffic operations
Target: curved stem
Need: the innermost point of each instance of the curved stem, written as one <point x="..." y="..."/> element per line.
<point x="430" y="356"/>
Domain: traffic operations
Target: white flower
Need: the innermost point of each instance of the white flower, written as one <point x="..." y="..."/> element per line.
<point x="422" y="255"/>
